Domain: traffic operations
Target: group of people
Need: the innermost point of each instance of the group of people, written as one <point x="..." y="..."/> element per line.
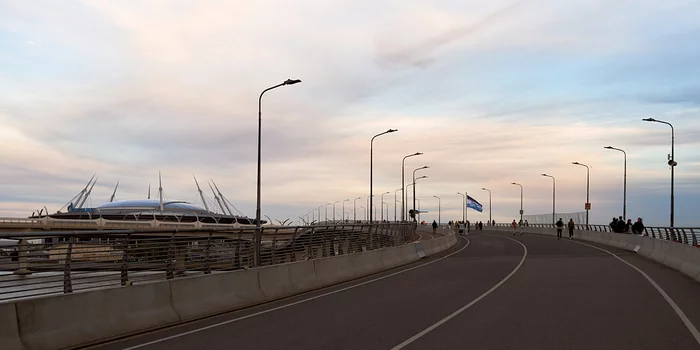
<point x="618" y="225"/>
<point x="570" y="225"/>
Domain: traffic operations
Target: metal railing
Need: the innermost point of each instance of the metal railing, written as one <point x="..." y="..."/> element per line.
<point x="685" y="235"/>
<point x="36" y="263"/>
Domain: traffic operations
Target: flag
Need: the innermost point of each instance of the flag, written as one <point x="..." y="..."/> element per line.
<point x="472" y="203"/>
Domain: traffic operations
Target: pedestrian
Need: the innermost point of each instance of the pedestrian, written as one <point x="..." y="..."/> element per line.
<point x="620" y="225"/>
<point x="513" y="225"/>
<point x="613" y="224"/>
<point x="628" y="226"/>
<point x="638" y="227"/>
<point x="435" y="225"/>
<point x="571" y="228"/>
<point x="526" y="223"/>
<point x="493" y="223"/>
<point x="560" y="225"/>
<point x="520" y="224"/>
<point x="481" y="226"/>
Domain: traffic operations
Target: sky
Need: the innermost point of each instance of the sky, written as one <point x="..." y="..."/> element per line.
<point x="492" y="92"/>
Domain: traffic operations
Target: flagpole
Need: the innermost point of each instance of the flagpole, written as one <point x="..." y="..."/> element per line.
<point x="466" y="210"/>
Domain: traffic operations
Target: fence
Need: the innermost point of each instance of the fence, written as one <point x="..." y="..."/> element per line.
<point x="686" y="235"/>
<point x="37" y="263"/>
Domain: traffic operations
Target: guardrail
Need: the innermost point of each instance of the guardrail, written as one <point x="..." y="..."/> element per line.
<point x="38" y="263"/>
<point x="685" y="235"/>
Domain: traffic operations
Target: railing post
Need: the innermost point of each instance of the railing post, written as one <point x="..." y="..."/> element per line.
<point x="23" y="264"/>
<point x="207" y="255"/>
<point x="685" y="236"/>
<point x="273" y="248"/>
<point x="237" y="253"/>
<point x="695" y="237"/>
<point x="67" y="283"/>
<point x="340" y="239"/>
<point x="370" y="238"/>
<point x="125" y="261"/>
<point x="332" y="242"/>
<point x="169" y="273"/>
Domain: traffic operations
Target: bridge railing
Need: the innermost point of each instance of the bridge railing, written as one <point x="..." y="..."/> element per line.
<point x="686" y="235"/>
<point x="36" y="263"/>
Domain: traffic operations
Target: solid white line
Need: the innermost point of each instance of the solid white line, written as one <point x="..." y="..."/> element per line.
<point x="294" y="303"/>
<point x="460" y="310"/>
<point x="674" y="306"/>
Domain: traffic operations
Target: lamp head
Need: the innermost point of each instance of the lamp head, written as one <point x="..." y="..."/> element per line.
<point x="291" y="81"/>
<point x="417" y="153"/>
<point x="392" y="130"/>
<point x="576" y="163"/>
<point x="513" y="183"/>
<point x="422" y="177"/>
<point x="608" y="147"/>
<point x="544" y="175"/>
<point x="483" y="188"/>
<point x="649" y="119"/>
<point x="425" y="167"/>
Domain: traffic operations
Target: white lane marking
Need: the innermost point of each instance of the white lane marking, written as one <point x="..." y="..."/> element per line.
<point x="674" y="306"/>
<point x="294" y="303"/>
<point x="460" y="310"/>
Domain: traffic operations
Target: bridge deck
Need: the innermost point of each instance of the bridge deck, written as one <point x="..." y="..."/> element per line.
<point x="564" y="295"/>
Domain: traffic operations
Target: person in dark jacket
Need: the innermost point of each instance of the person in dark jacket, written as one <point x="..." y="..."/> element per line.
<point x="571" y="226"/>
<point x="628" y="226"/>
<point x="560" y="225"/>
<point x="638" y="227"/>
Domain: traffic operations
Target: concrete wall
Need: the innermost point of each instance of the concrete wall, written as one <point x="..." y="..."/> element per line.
<point x="682" y="257"/>
<point x="66" y="320"/>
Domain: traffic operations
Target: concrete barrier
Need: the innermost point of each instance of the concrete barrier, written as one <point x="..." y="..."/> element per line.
<point x="368" y="263"/>
<point x="334" y="270"/>
<point x="647" y="246"/>
<point x="199" y="296"/>
<point x="66" y="320"/>
<point x="9" y="331"/>
<point x="274" y="281"/>
<point x="672" y="255"/>
<point x="690" y="261"/>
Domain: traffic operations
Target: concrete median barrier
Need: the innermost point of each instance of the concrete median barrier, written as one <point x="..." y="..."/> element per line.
<point x="672" y="255"/>
<point x="659" y="250"/>
<point x="647" y="246"/>
<point x="302" y="275"/>
<point x="690" y="261"/>
<point x="199" y="296"/>
<point x="9" y="330"/>
<point x="368" y="263"/>
<point x="334" y="270"/>
<point x="391" y="257"/>
<point x="274" y="281"/>
<point x="66" y="320"/>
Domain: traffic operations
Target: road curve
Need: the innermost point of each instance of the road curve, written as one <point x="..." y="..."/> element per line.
<point x="562" y="295"/>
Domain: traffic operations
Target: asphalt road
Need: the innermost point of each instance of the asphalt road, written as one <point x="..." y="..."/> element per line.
<point x="491" y="291"/>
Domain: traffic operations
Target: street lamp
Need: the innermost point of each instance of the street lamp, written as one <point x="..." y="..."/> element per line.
<point x="486" y="189"/>
<point x="382" y="199"/>
<point x="346" y="200"/>
<point x="396" y="200"/>
<point x="403" y="184"/>
<point x="588" y="188"/>
<point x="439" y="209"/>
<point x="463" y="205"/>
<point x="371" y="145"/>
<point x="554" y="197"/>
<point x="521" y="198"/>
<point x="326" y="210"/>
<point x="354" y="209"/>
<point x="364" y="212"/>
<point x="414" y="189"/>
<point x="319" y="214"/>
<point x="671" y="161"/>
<point x="334" y="203"/>
<point x="624" y="183"/>
<point x="258" y="226"/>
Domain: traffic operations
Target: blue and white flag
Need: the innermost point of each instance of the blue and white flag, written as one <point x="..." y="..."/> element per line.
<point x="472" y="203"/>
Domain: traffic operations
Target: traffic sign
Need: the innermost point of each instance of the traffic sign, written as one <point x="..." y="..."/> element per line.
<point x="588" y="206"/>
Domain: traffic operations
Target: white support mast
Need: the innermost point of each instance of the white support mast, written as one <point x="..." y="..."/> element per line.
<point x="223" y="199"/>
<point x="149" y="190"/>
<point x="87" y="194"/>
<point x="160" y="191"/>
<point x="82" y="193"/>
<point x="218" y="200"/>
<point x="201" y="195"/>
<point x="111" y="199"/>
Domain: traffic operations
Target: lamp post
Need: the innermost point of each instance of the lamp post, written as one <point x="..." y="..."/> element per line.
<point x="319" y="214"/>
<point x="439" y="209"/>
<point x="371" y="145"/>
<point x="414" y="189"/>
<point x="554" y="197"/>
<point x="588" y="187"/>
<point x="486" y="189"/>
<point x="521" y="199"/>
<point x="346" y="200"/>
<point x="258" y="226"/>
<point x="396" y="200"/>
<point x="403" y="185"/>
<point x="671" y="158"/>
<point x="326" y="210"/>
<point x="334" y="203"/>
<point x="624" y="183"/>
<point x="354" y="209"/>
<point x="382" y="199"/>
<point x="364" y="212"/>
<point x="463" y="205"/>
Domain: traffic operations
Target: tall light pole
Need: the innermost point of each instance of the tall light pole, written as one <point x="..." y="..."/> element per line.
<point x="521" y="199"/>
<point x="439" y="210"/>
<point x="671" y="159"/>
<point x="354" y="209"/>
<point x="414" y="189"/>
<point x="403" y="184"/>
<point x="554" y="198"/>
<point x="486" y="189"/>
<point x="371" y="155"/>
<point x="319" y="214"/>
<point x="624" y="183"/>
<point x="396" y="200"/>
<point x="364" y="212"/>
<point x="588" y="188"/>
<point x="334" y="203"/>
<point x="258" y="224"/>
<point x="326" y="210"/>
<point x="463" y="205"/>
<point x="346" y="200"/>
<point x="382" y="199"/>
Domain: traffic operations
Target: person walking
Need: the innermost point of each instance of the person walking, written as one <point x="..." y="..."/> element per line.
<point x="638" y="227"/>
<point x="560" y="225"/>
<point x="520" y="224"/>
<point x="513" y="225"/>
<point x="571" y="228"/>
<point x="435" y="225"/>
